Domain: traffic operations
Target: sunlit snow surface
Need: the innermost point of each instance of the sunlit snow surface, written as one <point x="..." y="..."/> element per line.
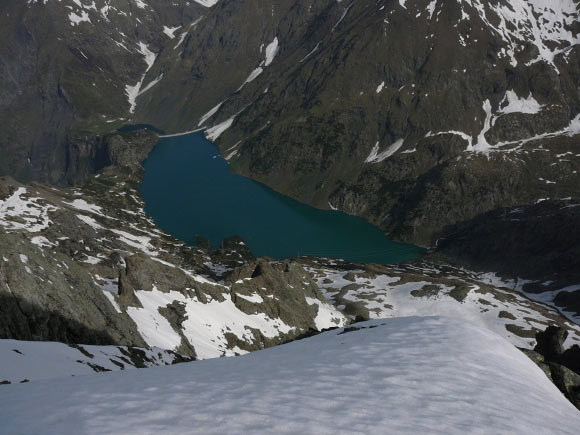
<point x="41" y="360"/>
<point x="406" y="375"/>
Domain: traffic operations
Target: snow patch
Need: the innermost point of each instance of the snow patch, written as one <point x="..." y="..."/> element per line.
<point x="206" y="324"/>
<point x="217" y="130"/>
<point x="431" y="8"/>
<point x="514" y="104"/>
<point x="209" y="114"/>
<point x="271" y="51"/>
<point x="254" y="298"/>
<point x="376" y="157"/>
<point x="170" y="31"/>
<point x="327" y="316"/>
<point x="81" y="204"/>
<point x="19" y="212"/>
<point x="207" y="3"/>
<point x="134" y="91"/>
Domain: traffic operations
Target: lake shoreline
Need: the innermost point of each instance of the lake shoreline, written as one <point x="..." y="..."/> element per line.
<point x="186" y="168"/>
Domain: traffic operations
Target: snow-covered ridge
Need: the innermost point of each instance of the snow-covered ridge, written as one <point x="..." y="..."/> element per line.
<point x="547" y="24"/>
<point x="541" y="22"/>
<point x="410" y="375"/>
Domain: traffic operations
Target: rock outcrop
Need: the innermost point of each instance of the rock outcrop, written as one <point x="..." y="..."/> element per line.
<point x="561" y="366"/>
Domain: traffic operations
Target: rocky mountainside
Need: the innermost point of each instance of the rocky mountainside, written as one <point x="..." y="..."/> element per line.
<point x="453" y="125"/>
<point x="534" y="248"/>
<point x="86" y="265"/>
<point x="476" y="108"/>
<point x="70" y="72"/>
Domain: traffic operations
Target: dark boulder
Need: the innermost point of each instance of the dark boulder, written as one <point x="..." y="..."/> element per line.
<point x="550" y="343"/>
<point x="562" y="367"/>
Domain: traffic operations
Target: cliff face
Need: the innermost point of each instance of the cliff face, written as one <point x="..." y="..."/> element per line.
<point x="69" y="73"/>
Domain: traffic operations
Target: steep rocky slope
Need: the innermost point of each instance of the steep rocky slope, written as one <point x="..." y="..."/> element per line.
<point x="70" y="71"/>
<point x="476" y="107"/>
<point x="88" y="266"/>
<point x="429" y="287"/>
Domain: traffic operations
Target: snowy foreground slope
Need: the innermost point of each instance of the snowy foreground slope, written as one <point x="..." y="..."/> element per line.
<point x="413" y="375"/>
<point x="24" y="361"/>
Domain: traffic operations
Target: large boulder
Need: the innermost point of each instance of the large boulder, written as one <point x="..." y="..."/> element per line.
<point x="550" y="343"/>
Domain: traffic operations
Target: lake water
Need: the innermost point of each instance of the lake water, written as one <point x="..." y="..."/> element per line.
<point x="189" y="190"/>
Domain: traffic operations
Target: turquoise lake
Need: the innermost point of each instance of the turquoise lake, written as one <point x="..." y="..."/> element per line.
<point x="189" y="190"/>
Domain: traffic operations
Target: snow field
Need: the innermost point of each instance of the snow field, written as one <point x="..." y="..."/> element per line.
<point x="404" y="375"/>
